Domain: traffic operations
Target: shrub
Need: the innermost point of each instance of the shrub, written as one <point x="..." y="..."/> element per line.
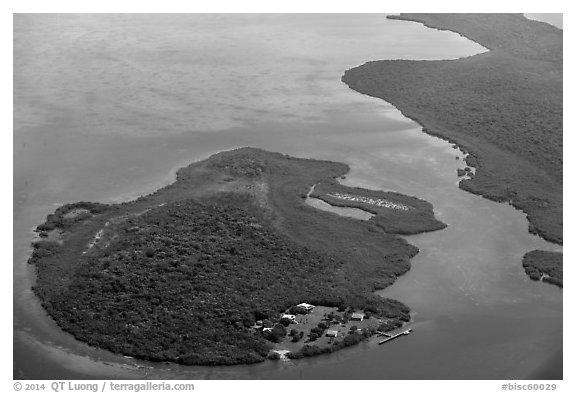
<point x="294" y="310"/>
<point x="316" y="330"/>
<point x="266" y="323"/>
<point x="312" y="350"/>
<point x="351" y="340"/>
<point x="368" y="332"/>
<point x="260" y="315"/>
<point x="47" y="226"/>
<point x="279" y="331"/>
<point x="294" y="355"/>
<point x="391" y="324"/>
<point x="273" y="356"/>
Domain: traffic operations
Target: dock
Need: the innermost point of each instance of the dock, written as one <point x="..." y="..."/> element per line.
<point x="392" y="337"/>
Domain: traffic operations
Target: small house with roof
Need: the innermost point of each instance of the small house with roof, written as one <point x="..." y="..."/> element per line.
<point x="357" y="317"/>
<point x="306" y="307"/>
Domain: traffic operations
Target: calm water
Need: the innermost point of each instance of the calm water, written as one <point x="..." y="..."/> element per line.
<point x="108" y="106"/>
<point x="552" y="19"/>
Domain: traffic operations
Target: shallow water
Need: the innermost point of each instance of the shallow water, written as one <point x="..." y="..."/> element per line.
<point x="341" y="211"/>
<point x="550" y="18"/>
<point x="108" y="106"/>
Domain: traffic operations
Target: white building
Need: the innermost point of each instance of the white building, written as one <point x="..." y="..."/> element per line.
<point x="357" y="317"/>
<point x="306" y="307"/>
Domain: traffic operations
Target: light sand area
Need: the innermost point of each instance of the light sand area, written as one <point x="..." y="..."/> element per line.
<point x="77" y="212"/>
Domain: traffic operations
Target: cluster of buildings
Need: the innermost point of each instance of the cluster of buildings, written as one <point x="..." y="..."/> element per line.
<point x="305" y="307"/>
<point x="302" y="306"/>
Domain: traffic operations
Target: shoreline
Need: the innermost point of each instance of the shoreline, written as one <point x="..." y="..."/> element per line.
<point x="166" y="180"/>
<point x="502" y="174"/>
<point x="279" y="205"/>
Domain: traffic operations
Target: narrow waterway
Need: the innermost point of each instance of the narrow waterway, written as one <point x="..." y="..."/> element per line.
<point x="108" y="106"/>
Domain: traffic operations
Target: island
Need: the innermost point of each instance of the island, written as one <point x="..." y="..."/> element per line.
<point x="503" y="108"/>
<point x="229" y="265"/>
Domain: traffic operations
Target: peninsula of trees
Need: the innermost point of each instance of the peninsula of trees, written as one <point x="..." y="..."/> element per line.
<point x="184" y="274"/>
